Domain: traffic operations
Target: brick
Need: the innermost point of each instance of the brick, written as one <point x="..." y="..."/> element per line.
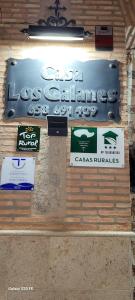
<point x="6" y="220"/>
<point x="73" y="176"/>
<point x="73" y="204"/>
<point x="116" y="212"/>
<point x="82" y="170"/>
<point x="82" y="197"/>
<point x="97" y="220"/>
<point x="123" y="205"/>
<point x="81" y="212"/>
<point x="98" y="191"/>
<point x="98" y="177"/>
<point x="82" y="227"/>
<point x="81" y="183"/>
<point x="115" y="184"/>
<point x="12" y="212"/>
<point x="123" y="220"/>
<point x="22" y="204"/>
<point x="6" y="203"/>
<point x="114" y="171"/>
<point x="124" y="178"/>
<point x="115" y="227"/>
<point x="122" y="190"/>
<point x="114" y="198"/>
<point x="95" y="205"/>
<point x="14" y="196"/>
<point x="72" y="220"/>
<point x="72" y="190"/>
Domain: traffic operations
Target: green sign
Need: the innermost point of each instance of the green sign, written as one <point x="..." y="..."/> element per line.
<point x="97" y="147"/>
<point x="84" y="140"/>
<point x="28" y="138"/>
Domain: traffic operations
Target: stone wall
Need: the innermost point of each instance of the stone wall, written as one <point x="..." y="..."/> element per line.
<point x="65" y="268"/>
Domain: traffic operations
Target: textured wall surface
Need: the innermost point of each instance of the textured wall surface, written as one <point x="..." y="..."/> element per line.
<point x="75" y="198"/>
<point x="64" y="198"/>
<point x="128" y="11"/>
<point x="65" y="268"/>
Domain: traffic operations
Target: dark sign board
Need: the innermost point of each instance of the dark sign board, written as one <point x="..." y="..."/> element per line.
<point x="28" y="138"/>
<point x="104" y="38"/>
<point x="81" y="90"/>
<point x="57" y="126"/>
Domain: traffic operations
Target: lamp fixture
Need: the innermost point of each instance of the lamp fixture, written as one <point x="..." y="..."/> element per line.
<point x="56" y="28"/>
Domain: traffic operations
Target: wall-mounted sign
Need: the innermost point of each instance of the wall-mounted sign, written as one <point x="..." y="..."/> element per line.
<point x="97" y="147"/>
<point x="104" y="38"/>
<point x="28" y="138"/>
<point x="57" y="126"/>
<point x="80" y="90"/>
<point x="17" y="173"/>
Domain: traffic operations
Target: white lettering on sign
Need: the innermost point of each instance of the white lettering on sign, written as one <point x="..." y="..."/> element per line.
<point x="52" y="92"/>
<point x="50" y="73"/>
<point x="26" y="135"/>
<point x="28" y="143"/>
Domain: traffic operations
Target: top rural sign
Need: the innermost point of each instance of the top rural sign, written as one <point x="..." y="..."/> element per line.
<point x="80" y="90"/>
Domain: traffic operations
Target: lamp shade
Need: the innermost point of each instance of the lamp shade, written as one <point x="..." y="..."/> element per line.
<point x="55" y="33"/>
<point x="56" y="28"/>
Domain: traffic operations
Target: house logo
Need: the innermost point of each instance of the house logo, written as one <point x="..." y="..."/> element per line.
<point x="110" y="140"/>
